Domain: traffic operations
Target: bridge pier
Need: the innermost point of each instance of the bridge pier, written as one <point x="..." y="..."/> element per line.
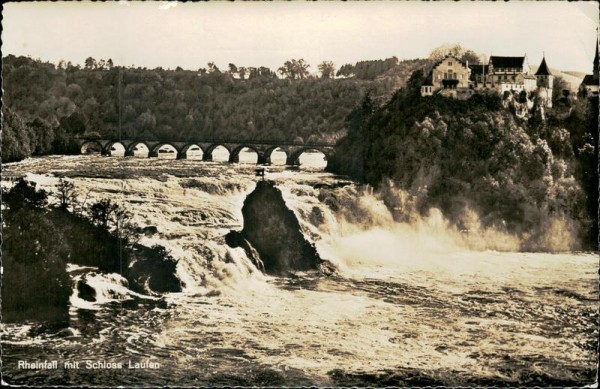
<point x="263" y="160"/>
<point x="207" y="156"/>
<point x="181" y="155"/>
<point x="129" y="153"/>
<point x="292" y="161"/>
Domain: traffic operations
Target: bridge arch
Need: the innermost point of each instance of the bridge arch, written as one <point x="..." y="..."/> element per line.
<point x="235" y="153"/>
<point x="276" y="155"/>
<point x="316" y="157"/>
<point x="165" y="149"/>
<point x="191" y="151"/>
<point x="91" y="146"/>
<point x="208" y="153"/>
<point x="115" y="148"/>
<point x="137" y="147"/>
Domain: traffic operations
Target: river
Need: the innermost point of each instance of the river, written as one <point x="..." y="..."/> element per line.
<point x="409" y="302"/>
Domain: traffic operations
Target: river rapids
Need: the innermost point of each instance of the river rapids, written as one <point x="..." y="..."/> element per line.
<point x="409" y="304"/>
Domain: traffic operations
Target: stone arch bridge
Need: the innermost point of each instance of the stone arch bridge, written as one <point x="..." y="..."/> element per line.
<point x="263" y="149"/>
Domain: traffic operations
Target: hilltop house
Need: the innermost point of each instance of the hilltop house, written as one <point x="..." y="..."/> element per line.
<point x="501" y="74"/>
<point x="450" y="77"/>
<point x="510" y="74"/>
<point x="590" y="82"/>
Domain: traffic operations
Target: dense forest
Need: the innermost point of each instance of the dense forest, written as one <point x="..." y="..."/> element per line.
<point x="46" y="105"/>
<point x="520" y="173"/>
<point x="39" y="238"/>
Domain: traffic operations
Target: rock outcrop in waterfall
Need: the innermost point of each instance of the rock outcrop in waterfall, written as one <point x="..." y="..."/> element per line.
<point x="273" y="230"/>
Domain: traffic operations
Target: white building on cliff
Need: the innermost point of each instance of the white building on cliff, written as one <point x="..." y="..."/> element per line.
<point x="452" y="77"/>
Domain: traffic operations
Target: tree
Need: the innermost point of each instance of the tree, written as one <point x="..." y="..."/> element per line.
<point x="347" y="70"/>
<point x="212" y="68"/>
<point x="101" y="212"/>
<point x="125" y="229"/>
<point x="89" y="63"/>
<point x="327" y="69"/>
<point x="25" y="195"/>
<point x="34" y="254"/>
<point x="109" y="64"/>
<point x="16" y="140"/>
<point x="458" y="51"/>
<point x="67" y="195"/>
<point x="415" y="81"/>
<point x="560" y="89"/>
<point x="146" y="121"/>
<point x="294" y="69"/>
<point x="44" y="135"/>
<point x="233" y="69"/>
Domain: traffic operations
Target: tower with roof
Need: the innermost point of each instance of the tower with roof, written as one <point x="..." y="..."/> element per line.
<point x="545" y="80"/>
<point x="590" y="83"/>
<point x="544" y="76"/>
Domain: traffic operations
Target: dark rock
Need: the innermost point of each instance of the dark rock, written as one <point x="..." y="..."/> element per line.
<point x="153" y="270"/>
<point x="338" y="184"/>
<point x="236" y="239"/>
<point x="274" y="231"/>
<point x="85" y="291"/>
<point x="327" y="268"/>
<point x="150" y="230"/>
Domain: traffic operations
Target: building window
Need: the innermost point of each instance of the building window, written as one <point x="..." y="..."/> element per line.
<point x="450" y="63"/>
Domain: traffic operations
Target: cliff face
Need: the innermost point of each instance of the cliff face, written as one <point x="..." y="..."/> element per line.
<point x="274" y="231"/>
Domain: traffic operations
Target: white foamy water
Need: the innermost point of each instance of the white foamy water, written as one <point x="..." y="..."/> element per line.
<point x="406" y="295"/>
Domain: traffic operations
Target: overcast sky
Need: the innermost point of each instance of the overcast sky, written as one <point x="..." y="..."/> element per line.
<point x="152" y="34"/>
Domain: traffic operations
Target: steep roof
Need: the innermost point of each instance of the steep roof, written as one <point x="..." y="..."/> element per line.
<point x="543" y="69"/>
<point x="449" y="55"/>
<point x="590" y="80"/>
<point x="507" y="62"/>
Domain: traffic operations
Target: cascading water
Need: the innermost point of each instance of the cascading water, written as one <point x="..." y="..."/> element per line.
<point x="407" y="298"/>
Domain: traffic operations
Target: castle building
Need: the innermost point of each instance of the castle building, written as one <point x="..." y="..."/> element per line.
<point x="453" y="78"/>
<point x="590" y="82"/>
<point x="450" y="77"/>
<point x="510" y="74"/>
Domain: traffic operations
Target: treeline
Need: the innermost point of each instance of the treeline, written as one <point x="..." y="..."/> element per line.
<point x="389" y="67"/>
<point x="47" y="105"/>
<point x="21" y="139"/>
<point x="519" y="174"/>
<point x="39" y="238"/>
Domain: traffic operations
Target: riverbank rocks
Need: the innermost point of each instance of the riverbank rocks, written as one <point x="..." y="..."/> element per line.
<point x="152" y="270"/>
<point x="274" y="231"/>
